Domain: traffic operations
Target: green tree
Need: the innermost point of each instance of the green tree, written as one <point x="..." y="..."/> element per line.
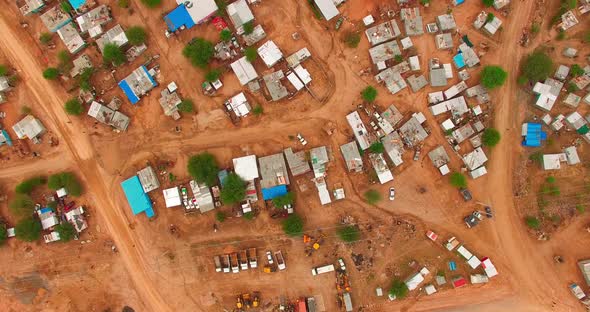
<point x="203" y="168"/>
<point x="537" y="66"/>
<point x="28" y="230"/>
<point x="532" y="222"/>
<point x="84" y="79"/>
<point x="66" y="231"/>
<point x="45" y="38"/>
<point x="283" y="200"/>
<point x="123" y="3"/>
<point x="372" y="196"/>
<point x="248" y="215"/>
<point x="66" y="7"/>
<point x="488" y="3"/>
<point x="199" y="51"/>
<point x="369" y="94"/>
<point x="112" y="54"/>
<point x="27" y="186"/>
<point x="352" y="39"/>
<point x="550" y="179"/>
<point x="490" y="17"/>
<point x="572" y="87"/>
<point x="349" y="233"/>
<point x="293" y="225"/>
<point x="213" y="75"/>
<point x="136" y="35"/>
<point x="248" y="27"/>
<point x="225" y="35"/>
<point x="3" y="70"/>
<point x="398" y="58"/>
<point x="576" y="71"/>
<point x="580" y="208"/>
<point x="251" y="54"/>
<point x="220" y="216"/>
<point x="561" y="35"/>
<point x="425" y="2"/>
<point x="186" y="106"/>
<point x="490" y="137"/>
<point x="377" y="148"/>
<point x="258" y="110"/>
<point x="73" y="107"/>
<point x="234" y="189"/>
<point x="493" y="76"/>
<point x="399" y="289"/>
<point x="22" y="205"/>
<point x="571" y="4"/>
<point x="51" y="73"/>
<point x="3" y="234"/>
<point x="535" y="28"/>
<point x="458" y="180"/>
<point x="64" y="58"/>
<point x="66" y="180"/>
<point x="151" y="3"/>
<point x="221" y="7"/>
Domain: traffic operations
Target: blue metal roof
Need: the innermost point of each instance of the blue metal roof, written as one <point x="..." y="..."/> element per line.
<point x="6" y="137"/>
<point x="275" y="191"/>
<point x="459" y="61"/>
<point x="76" y="4"/>
<point x="457" y="2"/>
<point x="179" y="17"/>
<point x="128" y="92"/>
<point x="154" y="83"/>
<point x="534" y="135"/>
<point x="136" y="197"/>
<point x="221" y="175"/>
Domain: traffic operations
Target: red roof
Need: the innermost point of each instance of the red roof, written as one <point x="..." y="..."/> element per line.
<point x="219" y="23"/>
<point x="460" y="282"/>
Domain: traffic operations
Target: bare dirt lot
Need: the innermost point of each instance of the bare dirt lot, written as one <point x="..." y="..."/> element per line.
<point x="157" y="271"/>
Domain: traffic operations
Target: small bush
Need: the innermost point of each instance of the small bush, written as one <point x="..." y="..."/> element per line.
<point x="580" y="208"/>
<point x="66" y="231"/>
<point x="352" y="39"/>
<point x="572" y="87"/>
<point x="458" y="180"/>
<point x="84" y="79"/>
<point x="3" y="234"/>
<point x="369" y="94"/>
<point x="136" y="35"/>
<point x="74" y="107"/>
<point x="186" y="106"/>
<point x="221" y="7"/>
<point x="112" y="54"/>
<point x="22" y="205"/>
<point x="45" y="38"/>
<point x="399" y="289"/>
<point x="283" y="200"/>
<point x="560" y="35"/>
<point x="248" y="27"/>
<point x="550" y="179"/>
<point x="3" y="70"/>
<point x="536" y="157"/>
<point x="66" y="7"/>
<point x="225" y="35"/>
<point x="251" y="54"/>
<point x="532" y="222"/>
<point x="123" y="3"/>
<point x="490" y="137"/>
<point x="372" y="196"/>
<point x="27" y="186"/>
<point x="377" y="148"/>
<point x="535" y="28"/>
<point x="398" y="58"/>
<point x="248" y="215"/>
<point x="576" y="70"/>
<point x="349" y="233"/>
<point x="51" y="73"/>
<point x="151" y="3"/>
<point x="490" y="17"/>
<point x="220" y="216"/>
<point x="64" y="58"/>
<point x="28" y="230"/>
<point x="293" y="225"/>
<point x="258" y="110"/>
<point x="213" y="75"/>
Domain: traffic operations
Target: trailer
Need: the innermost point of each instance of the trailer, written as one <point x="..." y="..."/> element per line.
<point x="322" y="269"/>
<point x="235" y="267"/>
<point x="347" y="302"/>
<point x="243" y="260"/>
<point x="217" y="261"/>
<point x="226" y="264"/>
<point x="252" y="258"/>
<point x="280" y="260"/>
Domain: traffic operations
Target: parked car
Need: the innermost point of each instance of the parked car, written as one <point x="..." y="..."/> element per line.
<point x="391" y="193"/>
<point x="301" y="139"/>
<point x="466" y="194"/>
<point x="269" y="257"/>
<point x="341" y="263"/>
<point x="489" y="211"/>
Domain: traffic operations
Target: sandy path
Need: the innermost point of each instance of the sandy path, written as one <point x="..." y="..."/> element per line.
<point x="80" y="148"/>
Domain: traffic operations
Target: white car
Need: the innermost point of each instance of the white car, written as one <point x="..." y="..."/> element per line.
<point x="391" y="193"/>
<point x="301" y="139"/>
<point x="341" y="263"/>
<point x="269" y="257"/>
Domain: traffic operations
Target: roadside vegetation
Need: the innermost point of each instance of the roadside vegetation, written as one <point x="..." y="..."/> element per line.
<point x="349" y="233"/>
<point x="234" y="189"/>
<point x="369" y="94"/>
<point x="536" y="66"/>
<point x="458" y="180"/>
<point x="372" y="196"/>
<point x="199" y="51"/>
<point x="66" y="180"/>
<point x="493" y="76"/>
<point x="203" y="168"/>
<point x="293" y="225"/>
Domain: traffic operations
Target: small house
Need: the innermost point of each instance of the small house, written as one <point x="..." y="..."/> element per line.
<point x="572" y="100"/>
<point x="257" y="35"/>
<point x="417" y="83"/>
<point x="358" y="128"/>
<point x="412" y="19"/>
<point x="383" y="173"/>
<point x="383" y="32"/>
<point x="475" y="159"/>
<point x="412" y="132"/>
<point x="275" y="88"/>
<point x="319" y="158"/>
<point x="137" y="84"/>
<point x="172" y="197"/>
<point x="244" y="70"/>
<point x="297" y="162"/>
<point x="29" y="128"/>
<point x="115" y="35"/>
<point x="148" y="179"/>
<point x="327" y="8"/>
<point x="438" y="77"/>
<point x="55" y="18"/>
<point x="28" y="7"/>
<point x="393" y="80"/>
<point x="571" y="154"/>
<point x="562" y="72"/>
<point x="352" y="157"/>
<point x="138" y="200"/>
<point x="48" y="218"/>
<point x="532" y="134"/>
<point x="71" y="38"/>
<point x="76" y="218"/>
<point x="274" y="177"/>
<point x="443" y="41"/>
<point x="270" y="53"/>
<point x="91" y="22"/>
<point x="239" y="14"/>
<point x="239" y="105"/>
<point x="553" y="161"/>
<point x="446" y="22"/>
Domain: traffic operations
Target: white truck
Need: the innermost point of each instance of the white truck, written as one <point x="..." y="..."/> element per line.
<point x="243" y="260"/>
<point x="217" y="261"/>
<point x="252" y="258"/>
<point x="280" y="260"/>
<point x="235" y="267"/>
<point x="322" y="269"/>
<point x="226" y="264"/>
<point x="347" y="302"/>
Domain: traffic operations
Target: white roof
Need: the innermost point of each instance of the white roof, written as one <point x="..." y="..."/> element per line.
<point x="489" y="268"/>
<point x="359" y="129"/>
<point x="323" y="193"/>
<point x="553" y="161"/>
<point x="270" y="53"/>
<point x="458" y="105"/>
<point x="303" y="74"/>
<point x="295" y="81"/>
<point x="239" y="13"/>
<point x="172" y="197"/>
<point x="368" y="20"/>
<point x="473" y="262"/>
<point x="71" y="38"/>
<point x="246" y="167"/>
<point x="571" y="154"/>
<point x="413" y="281"/>
<point x="244" y="70"/>
<point x="448" y="124"/>
<point x="29" y="127"/>
<point x="430" y="289"/>
<point x="464" y="252"/>
<point x="61" y="192"/>
<point x="435" y="97"/>
<point x="481" y="171"/>
<point x="239" y="104"/>
<point x="199" y="9"/>
<point x="327" y="8"/>
<point x="475" y="159"/>
<point x="448" y="70"/>
<point x="414" y="62"/>
<point x="406" y="43"/>
<point x="444" y="169"/>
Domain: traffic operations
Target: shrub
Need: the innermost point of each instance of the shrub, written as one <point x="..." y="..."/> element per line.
<point x="27" y="186"/>
<point x="458" y="180"/>
<point x="490" y="17"/>
<point x="66" y="180"/>
<point x="369" y="94"/>
<point x="570" y="4"/>
<point x="372" y="196"/>
<point x="248" y="215"/>
<point x="572" y="87"/>
<point x="283" y="200"/>
<point x="550" y="179"/>
<point x="199" y="51"/>
<point x="248" y="27"/>
<point x="532" y="222"/>
<point x="51" y="73"/>
<point x="576" y="70"/>
<point x="493" y="76"/>
<point x="64" y="58"/>
<point x="537" y="66"/>
<point x="136" y="35"/>
<point x="251" y="54"/>
<point x="425" y="2"/>
<point x="580" y="208"/>
<point x="73" y="107"/>
<point x="22" y="205"/>
<point x="3" y="234"/>
<point x="151" y="3"/>
<point x="398" y="58"/>
<point x="490" y="137"/>
<point x="258" y="110"/>
<point x="123" y="3"/>
<point x="25" y="110"/>
<point x="28" y="230"/>
<point x="112" y="54"/>
<point x="186" y="106"/>
<point x="522" y="80"/>
<point x="220" y="216"/>
<point x="587" y="37"/>
<point x="352" y="39"/>
<point x="221" y="6"/>
<point x="66" y="7"/>
<point x="225" y="35"/>
<point x="66" y="231"/>
<point x="293" y="225"/>
<point x="213" y="75"/>
<point x="377" y="148"/>
<point x="399" y="289"/>
<point x="234" y="189"/>
<point x="349" y="233"/>
<point x="3" y="70"/>
<point x="535" y="28"/>
<point x="84" y="79"/>
<point x="203" y="168"/>
<point x="45" y="38"/>
<point x="560" y="35"/>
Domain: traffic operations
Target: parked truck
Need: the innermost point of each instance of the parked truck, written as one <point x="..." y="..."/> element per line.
<point x="243" y="260"/>
<point x="280" y="260"/>
<point x="252" y="258"/>
<point x="226" y="264"/>
<point x="235" y="267"/>
<point x="322" y="269"/>
<point x="347" y="302"/>
<point x="217" y="261"/>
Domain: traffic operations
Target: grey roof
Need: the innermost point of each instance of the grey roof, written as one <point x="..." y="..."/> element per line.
<point x="4" y="84"/>
<point x="569" y="52"/>
<point x="439" y="156"/>
<point x="148" y="179"/>
<point x="469" y="56"/>
<point x="412" y="21"/>
<point x="319" y="158"/>
<point x="463" y="133"/>
<point x="169" y="102"/>
<point x="27" y="7"/>
<point x="274" y="86"/>
<point x="584" y="266"/>
<point x="119" y="121"/>
<point x="393" y="80"/>
<point x="572" y="100"/>
<point x="384" y="52"/>
<point x="95" y="17"/>
<point x="297" y="163"/>
<point x="438" y="77"/>
<point x="352" y="157"/>
<point x="394" y="147"/>
<point x="273" y="171"/>
<point x="256" y="35"/>
<point x="239" y="13"/>
<point x="443" y="41"/>
<point x="80" y="63"/>
<point x="417" y="83"/>
<point x="383" y="32"/>
<point x="412" y="131"/>
<point x="446" y="22"/>
<point x="54" y="18"/>
<point x="392" y="115"/>
<point x="115" y="103"/>
<point x="114" y="35"/>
